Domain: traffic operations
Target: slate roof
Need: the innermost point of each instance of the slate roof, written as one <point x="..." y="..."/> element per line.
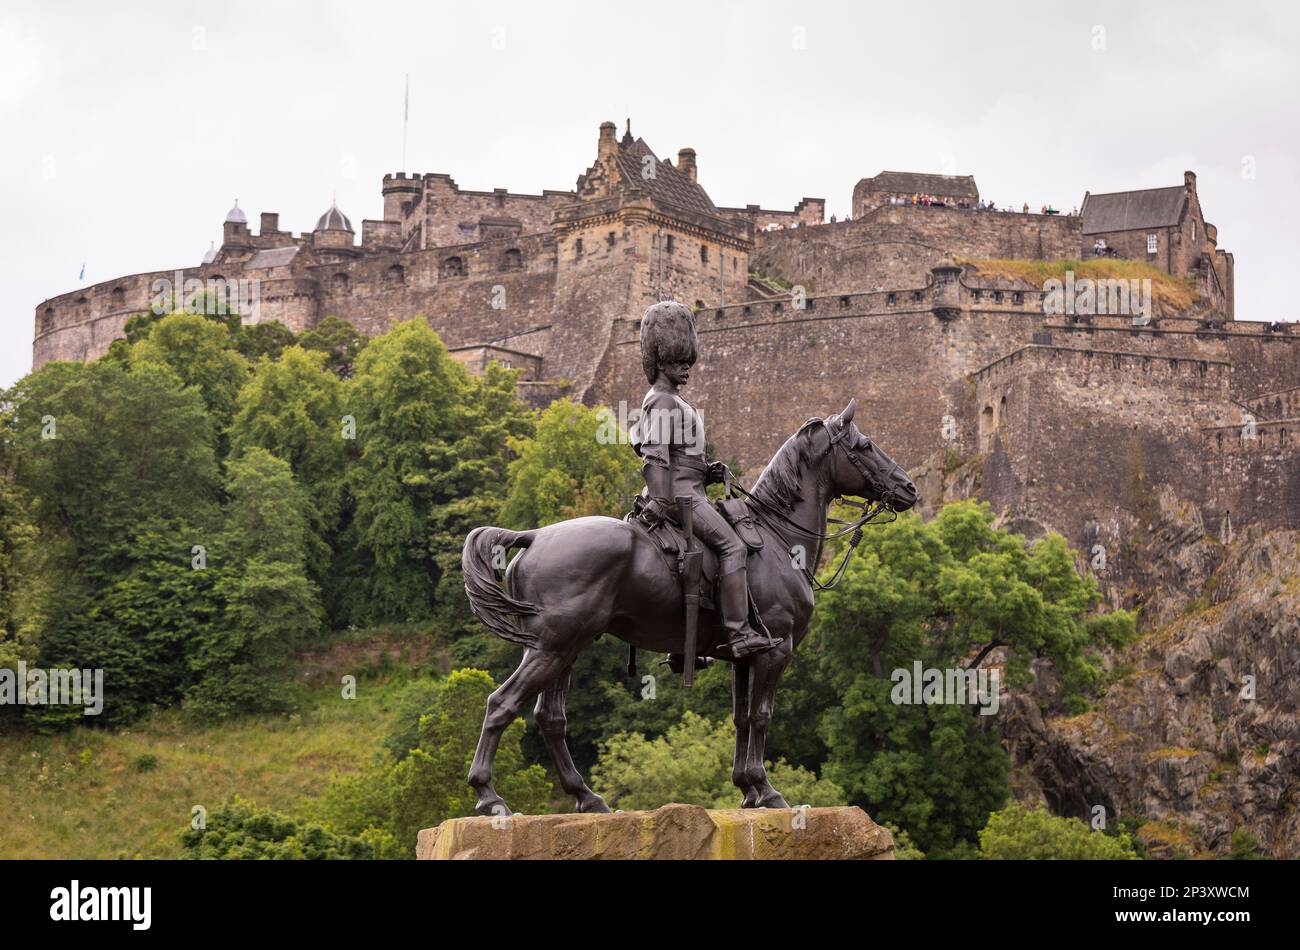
<point x="669" y="186"/>
<point x="912" y="183"/>
<point x="1133" y="210"/>
<point x="333" y="220"/>
<point x="273" y="257"/>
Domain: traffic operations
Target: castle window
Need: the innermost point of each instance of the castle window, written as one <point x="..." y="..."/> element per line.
<point x="916" y="296"/>
<point x="997" y="296"/>
<point x="844" y="303"/>
<point x="1153" y="243"/>
<point x="748" y="310"/>
<point x="720" y="314"/>
<point x="577" y="248"/>
<point x="1218" y="438"/>
<point x="611" y="238"/>
<point x="47" y="320"/>
<point x="339" y="283"/>
<point x="809" y="304"/>
<point x="891" y="299"/>
<point x="395" y="274"/>
<point x="1017" y="297"/>
<point x="1281" y="438"/>
<point x="704" y="254"/>
<point x="979" y="294"/>
<point x="453" y="267"/>
<point x="670" y="244"/>
<point x="514" y="259"/>
<point x="1205" y="367"/>
<point x="735" y="263"/>
<point x="118" y="298"/>
<point x="777" y="307"/>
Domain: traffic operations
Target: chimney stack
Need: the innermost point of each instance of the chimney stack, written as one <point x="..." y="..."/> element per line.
<point x="606" y="147"/>
<point x="686" y="162"/>
<point x="1189" y="179"/>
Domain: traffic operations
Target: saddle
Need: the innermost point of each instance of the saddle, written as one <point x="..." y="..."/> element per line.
<point x="670" y="541"/>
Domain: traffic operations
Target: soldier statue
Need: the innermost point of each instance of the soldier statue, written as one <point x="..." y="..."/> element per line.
<point x="669" y="437"/>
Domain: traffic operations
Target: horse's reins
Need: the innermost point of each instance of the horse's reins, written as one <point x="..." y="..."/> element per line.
<point x="869" y="514"/>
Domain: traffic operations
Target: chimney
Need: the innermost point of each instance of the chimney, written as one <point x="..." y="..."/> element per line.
<point x="686" y="162"/>
<point x="1189" y="179"/>
<point x="270" y="222"/>
<point x="606" y="147"/>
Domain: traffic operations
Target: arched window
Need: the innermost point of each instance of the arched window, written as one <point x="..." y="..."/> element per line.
<point x="453" y="267"/>
<point x="395" y="274"/>
<point x="514" y="259"/>
<point x="339" y="283"/>
<point x="47" y="320"/>
<point x="118" y="298"/>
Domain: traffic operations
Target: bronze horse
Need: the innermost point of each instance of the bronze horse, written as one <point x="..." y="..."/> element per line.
<point x="577" y="579"/>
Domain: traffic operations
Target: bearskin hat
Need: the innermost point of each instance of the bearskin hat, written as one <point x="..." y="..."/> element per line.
<point x="667" y="336"/>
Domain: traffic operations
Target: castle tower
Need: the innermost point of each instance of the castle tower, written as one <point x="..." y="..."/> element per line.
<point x="333" y="237"/>
<point x="235" y="234"/>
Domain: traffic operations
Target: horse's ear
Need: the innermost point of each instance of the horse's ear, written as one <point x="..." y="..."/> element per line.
<point x="847" y="415"/>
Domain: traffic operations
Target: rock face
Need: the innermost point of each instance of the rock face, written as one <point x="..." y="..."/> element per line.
<point x="1200" y="733"/>
<point x="673" y="832"/>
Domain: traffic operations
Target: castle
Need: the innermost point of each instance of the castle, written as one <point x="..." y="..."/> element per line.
<point x="1074" y="421"/>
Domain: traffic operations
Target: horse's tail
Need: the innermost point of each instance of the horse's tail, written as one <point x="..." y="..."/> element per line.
<point x="485" y="549"/>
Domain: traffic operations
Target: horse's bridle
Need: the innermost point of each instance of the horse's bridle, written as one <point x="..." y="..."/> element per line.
<point x="869" y="511"/>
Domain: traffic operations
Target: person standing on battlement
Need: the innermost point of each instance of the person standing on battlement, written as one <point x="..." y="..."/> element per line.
<point x="669" y="437"/>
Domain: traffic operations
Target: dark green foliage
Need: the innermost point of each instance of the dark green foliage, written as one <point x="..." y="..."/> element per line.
<point x="338" y="340"/>
<point x="240" y="831"/>
<point x="257" y="340"/>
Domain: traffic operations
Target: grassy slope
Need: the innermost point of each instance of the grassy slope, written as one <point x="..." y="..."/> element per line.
<point x="81" y="794"/>
<point x="1173" y="292"/>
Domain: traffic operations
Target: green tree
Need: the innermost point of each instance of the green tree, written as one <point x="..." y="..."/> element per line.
<point x="269" y="604"/>
<point x="945" y="593"/>
<point x="338" y="340"/>
<point x="432" y="445"/>
<point x="1017" y="833"/>
<point x="239" y="830"/>
<point x="573" y="466"/>
<point x="292" y="407"/>
<point x="426" y="786"/>
<point x="257" y="340"/>
<point x="198" y="351"/>
<point x="691" y="764"/>
<point x="119" y="471"/>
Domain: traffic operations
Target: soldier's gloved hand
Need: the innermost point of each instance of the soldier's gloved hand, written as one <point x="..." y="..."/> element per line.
<point x="718" y="472"/>
<point x="653" y="513"/>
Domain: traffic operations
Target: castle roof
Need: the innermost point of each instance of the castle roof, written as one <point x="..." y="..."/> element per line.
<point x="236" y="214"/>
<point x="920" y="183"/>
<point x="334" y="220"/>
<point x="211" y="254"/>
<point x="1133" y="210"/>
<point x="272" y="257"/>
<point x="669" y="185"/>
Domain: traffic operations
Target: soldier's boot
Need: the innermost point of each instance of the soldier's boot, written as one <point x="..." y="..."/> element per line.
<point x="742" y="639"/>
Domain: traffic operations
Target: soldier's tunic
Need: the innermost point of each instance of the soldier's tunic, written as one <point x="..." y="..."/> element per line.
<point x="670" y="433"/>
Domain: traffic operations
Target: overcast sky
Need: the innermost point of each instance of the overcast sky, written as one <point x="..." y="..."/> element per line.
<point x="129" y="130"/>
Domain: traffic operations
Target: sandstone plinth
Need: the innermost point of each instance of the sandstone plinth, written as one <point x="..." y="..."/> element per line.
<point x="673" y="832"/>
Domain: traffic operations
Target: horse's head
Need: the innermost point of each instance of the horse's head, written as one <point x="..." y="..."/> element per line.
<point x="858" y="467"/>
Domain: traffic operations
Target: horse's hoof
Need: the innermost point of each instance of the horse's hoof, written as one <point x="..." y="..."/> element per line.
<point x="595" y="805"/>
<point x="494" y="807"/>
<point x="774" y="800"/>
<point x="750" y="800"/>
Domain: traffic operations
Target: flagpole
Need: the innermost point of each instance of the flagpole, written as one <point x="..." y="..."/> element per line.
<point x="406" y="115"/>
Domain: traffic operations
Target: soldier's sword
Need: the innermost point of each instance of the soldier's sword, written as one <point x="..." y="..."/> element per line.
<point x="692" y="564"/>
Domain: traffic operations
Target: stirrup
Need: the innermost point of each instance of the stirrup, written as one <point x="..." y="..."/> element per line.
<point x="746" y="645"/>
<point x="676" y="662"/>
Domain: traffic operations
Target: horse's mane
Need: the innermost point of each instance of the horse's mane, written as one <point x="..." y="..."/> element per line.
<point x="778" y="485"/>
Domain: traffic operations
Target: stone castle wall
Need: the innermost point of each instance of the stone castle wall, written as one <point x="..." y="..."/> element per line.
<point x="896" y="245"/>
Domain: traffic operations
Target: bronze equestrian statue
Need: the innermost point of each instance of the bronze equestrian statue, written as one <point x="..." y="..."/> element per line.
<point x="576" y="580"/>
